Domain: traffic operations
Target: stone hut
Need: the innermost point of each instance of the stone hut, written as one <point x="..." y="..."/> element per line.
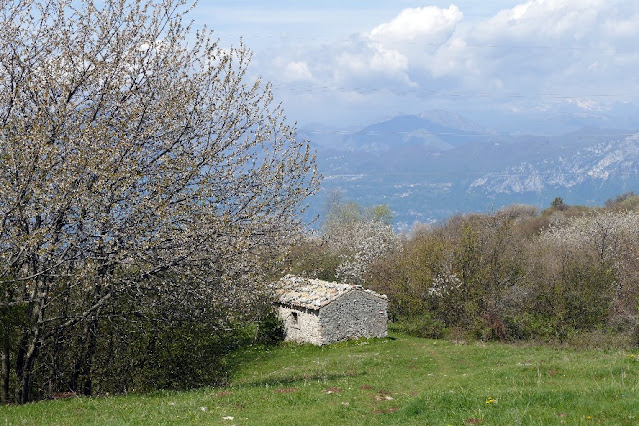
<point x="321" y="312"/>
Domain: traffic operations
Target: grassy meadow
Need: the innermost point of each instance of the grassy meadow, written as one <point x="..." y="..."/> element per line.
<point x="399" y="380"/>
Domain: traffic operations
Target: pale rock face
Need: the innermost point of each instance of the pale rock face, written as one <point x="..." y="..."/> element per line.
<point x="596" y="163"/>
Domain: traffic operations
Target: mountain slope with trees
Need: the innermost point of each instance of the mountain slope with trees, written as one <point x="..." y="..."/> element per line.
<point x="428" y="169"/>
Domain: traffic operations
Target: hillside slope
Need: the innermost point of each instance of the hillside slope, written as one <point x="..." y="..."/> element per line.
<point x="400" y="380"/>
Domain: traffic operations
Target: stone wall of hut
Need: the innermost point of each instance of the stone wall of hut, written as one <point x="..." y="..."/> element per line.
<point x="358" y="313"/>
<point x="301" y="324"/>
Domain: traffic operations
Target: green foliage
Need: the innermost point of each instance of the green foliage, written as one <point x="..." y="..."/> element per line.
<point x="532" y="325"/>
<point x="558" y="204"/>
<point x="624" y="202"/>
<point x="588" y="294"/>
<point x="340" y="213"/>
<point x="148" y="353"/>
<point x="13" y="318"/>
<point x="270" y="329"/>
<point x="182" y="355"/>
<point x="422" y="325"/>
<point x="312" y="257"/>
<point x="517" y="274"/>
<point x="382" y="214"/>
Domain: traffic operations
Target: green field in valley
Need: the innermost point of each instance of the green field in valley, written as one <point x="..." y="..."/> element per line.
<point x="399" y="380"/>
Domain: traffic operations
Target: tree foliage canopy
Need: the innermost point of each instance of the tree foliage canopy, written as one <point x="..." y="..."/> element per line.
<point x="136" y="158"/>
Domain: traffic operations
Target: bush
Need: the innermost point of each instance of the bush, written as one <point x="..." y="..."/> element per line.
<point x="423" y="325"/>
<point x="529" y="325"/>
<point x="270" y="329"/>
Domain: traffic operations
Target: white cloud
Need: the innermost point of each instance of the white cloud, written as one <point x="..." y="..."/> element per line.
<point x="372" y="67"/>
<point x="560" y="46"/>
<point x="404" y="47"/>
<point x="426" y="24"/>
<point x="540" y="20"/>
<point x="374" y="58"/>
<point x="535" y="54"/>
<point x="385" y="59"/>
<point x="297" y="71"/>
<point x="623" y="26"/>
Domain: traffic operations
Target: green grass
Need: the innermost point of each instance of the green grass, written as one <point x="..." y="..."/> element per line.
<point x="404" y="380"/>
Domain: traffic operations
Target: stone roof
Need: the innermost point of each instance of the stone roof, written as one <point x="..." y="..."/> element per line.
<point x="312" y="293"/>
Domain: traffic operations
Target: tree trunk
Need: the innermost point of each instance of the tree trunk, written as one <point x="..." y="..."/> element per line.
<point x="30" y="341"/>
<point x="87" y="386"/>
<point x="4" y="373"/>
<point x="24" y="368"/>
<point x="81" y="381"/>
<point x="7" y="327"/>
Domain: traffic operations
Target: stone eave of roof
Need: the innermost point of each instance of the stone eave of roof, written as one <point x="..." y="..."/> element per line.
<point x="312" y="293"/>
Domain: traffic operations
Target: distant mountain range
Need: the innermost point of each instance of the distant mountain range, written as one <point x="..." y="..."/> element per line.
<point x="431" y="166"/>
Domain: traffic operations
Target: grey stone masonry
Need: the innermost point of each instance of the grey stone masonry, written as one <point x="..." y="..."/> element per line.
<point x="321" y="312"/>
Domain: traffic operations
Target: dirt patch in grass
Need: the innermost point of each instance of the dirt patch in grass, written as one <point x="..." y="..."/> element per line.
<point x="286" y="390"/>
<point x="383" y="398"/>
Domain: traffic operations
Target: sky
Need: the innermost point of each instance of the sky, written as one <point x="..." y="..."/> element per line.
<point x="351" y="62"/>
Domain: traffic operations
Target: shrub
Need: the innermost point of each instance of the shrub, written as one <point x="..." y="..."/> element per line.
<point x="423" y="325"/>
<point x="270" y="329"/>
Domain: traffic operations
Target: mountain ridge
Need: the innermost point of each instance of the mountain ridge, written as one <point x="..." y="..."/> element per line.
<point x="427" y="171"/>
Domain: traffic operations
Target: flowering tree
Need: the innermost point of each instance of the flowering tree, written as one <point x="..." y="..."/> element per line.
<point x="358" y="237"/>
<point x="136" y="159"/>
<point x="351" y="240"/>
<point x="360" y="245"/>
<point x="607" y="242"/>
